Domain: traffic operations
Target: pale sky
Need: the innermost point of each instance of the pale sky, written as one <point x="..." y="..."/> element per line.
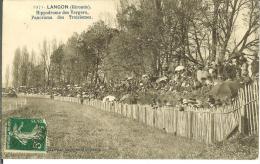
<point x="19" y="30"/>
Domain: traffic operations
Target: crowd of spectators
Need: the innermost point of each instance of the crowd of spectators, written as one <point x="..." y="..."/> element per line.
<point x="181" y="81"/>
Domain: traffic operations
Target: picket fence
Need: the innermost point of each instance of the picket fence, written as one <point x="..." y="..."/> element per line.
<point x="249" y="111"/>
<point x="18" y="103"/>
<point x="42" y="96"/>
<point x="203" y="125"/>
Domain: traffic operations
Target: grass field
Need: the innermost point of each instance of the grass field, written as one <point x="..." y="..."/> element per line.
<point x="79" y="131"/>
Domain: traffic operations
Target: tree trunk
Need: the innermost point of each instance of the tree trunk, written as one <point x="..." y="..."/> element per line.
<point x="214" y="30"/>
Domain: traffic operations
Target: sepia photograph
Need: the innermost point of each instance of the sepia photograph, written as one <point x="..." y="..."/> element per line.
<point x="130" y="79"/>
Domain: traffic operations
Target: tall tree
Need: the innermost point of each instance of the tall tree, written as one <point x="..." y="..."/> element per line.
<point x="16" y="68"/>
<point x="24" y="70"/>
<point x="7" y="76"/>
<point x="56" y="62"/>
<point x="46" y="51"/>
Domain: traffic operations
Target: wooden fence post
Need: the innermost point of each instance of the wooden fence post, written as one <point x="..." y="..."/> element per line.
<point x="191" y="123"/>
<point x="121" y="109"/>
<point x="145" y="116"/>
<point x="153" y="117"/>
<point x="212" y="130"/>
<point x="126" y="110"/>
<point x="176" y="122"/>
<point x="242" y="122"/>
<point x="113" y="107"/>
<point x="138" y="117"/>
<point x="132" y="113"/>
<point x="242" y="126"/>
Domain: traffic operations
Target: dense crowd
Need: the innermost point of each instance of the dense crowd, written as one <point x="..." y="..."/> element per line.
<point x="178" y="80"/>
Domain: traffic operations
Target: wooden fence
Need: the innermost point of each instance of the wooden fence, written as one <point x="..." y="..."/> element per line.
<point x="204" y="125"/>
<point x="34" y="95"/>
<point x="198" y="124"/>
<point x="249" y="111"/>
<point x="18" y="103"/>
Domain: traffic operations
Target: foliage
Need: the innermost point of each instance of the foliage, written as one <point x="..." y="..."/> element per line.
<point x="152" y="37"/>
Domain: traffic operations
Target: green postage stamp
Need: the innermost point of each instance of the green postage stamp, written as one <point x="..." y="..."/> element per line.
<point x="26" y="135"/>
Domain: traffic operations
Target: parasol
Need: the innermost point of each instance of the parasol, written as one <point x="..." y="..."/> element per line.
<point x="109" y="98"/>
<point x="179" y="68"/>
<point x="164" y="78"/>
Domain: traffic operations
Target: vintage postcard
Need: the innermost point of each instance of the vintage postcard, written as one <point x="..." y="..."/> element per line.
<point x="130" y="79"/>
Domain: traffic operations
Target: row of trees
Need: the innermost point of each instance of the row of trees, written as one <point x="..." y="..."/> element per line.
<point x="150" y="37"/>
<point x="78" y="61"/>
<point x="26" y="71"/>
<point x="195" y="31"/>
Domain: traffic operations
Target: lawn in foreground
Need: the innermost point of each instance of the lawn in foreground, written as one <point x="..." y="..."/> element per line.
<point x="79" y="131"/>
